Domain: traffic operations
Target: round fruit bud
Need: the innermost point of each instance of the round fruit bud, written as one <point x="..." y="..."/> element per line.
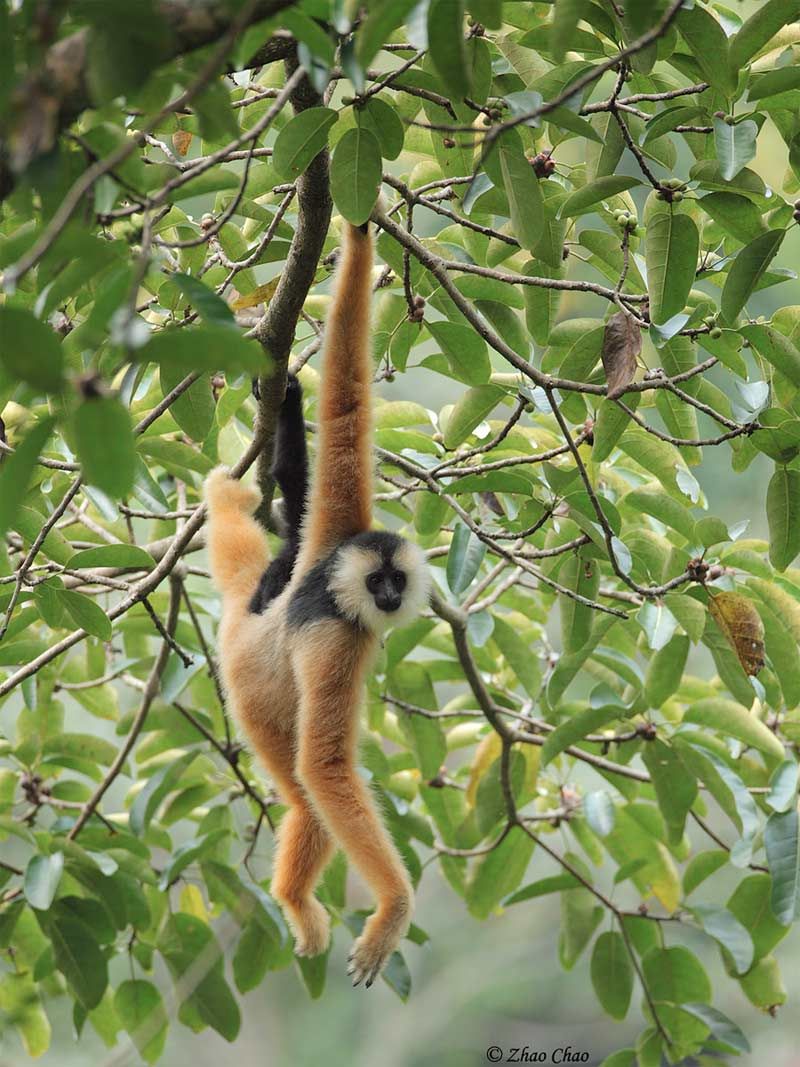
<point x="448" y="142"/>
<point x="715" y="332"/>
<point x="677" y="196"/>
<point x="796" y="205"/>
<point x="796" y="216"/>
<point x="719" y="114"/>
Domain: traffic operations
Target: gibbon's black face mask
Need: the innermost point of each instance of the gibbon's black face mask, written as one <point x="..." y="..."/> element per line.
<point x="386" y="586"/>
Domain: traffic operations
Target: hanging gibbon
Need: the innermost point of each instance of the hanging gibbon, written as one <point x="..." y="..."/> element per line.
<point x="298" y="636"/>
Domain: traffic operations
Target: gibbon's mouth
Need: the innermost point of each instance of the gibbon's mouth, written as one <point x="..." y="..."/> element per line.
<point x="388" y="605"/>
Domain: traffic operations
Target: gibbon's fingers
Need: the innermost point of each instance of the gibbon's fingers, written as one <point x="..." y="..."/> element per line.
<point x="341" y="499"/>
<point x="238" y="550"/>
<point x="330" y="668"/>
<point x="304" y="845"/>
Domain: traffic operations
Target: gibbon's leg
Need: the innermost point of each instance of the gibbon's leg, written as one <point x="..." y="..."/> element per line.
<point x="304" y="845"/>
<point x="238" y="549"/>
<point x="329" y="666"/>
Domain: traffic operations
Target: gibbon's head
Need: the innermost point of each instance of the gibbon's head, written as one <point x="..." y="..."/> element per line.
<point x="379" y="579"/>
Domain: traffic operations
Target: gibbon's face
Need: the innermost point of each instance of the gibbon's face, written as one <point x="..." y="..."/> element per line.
<point x="380" y="580"/>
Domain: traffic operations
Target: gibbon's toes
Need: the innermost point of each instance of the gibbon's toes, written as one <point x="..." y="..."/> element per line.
<point x="368" y="958"/>
<point x="221" y="490"/>
<point x="311" y="926"/>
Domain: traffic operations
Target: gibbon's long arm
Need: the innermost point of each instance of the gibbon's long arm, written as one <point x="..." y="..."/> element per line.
<point x="290" y="471"/>
<point x="341" y="497"/>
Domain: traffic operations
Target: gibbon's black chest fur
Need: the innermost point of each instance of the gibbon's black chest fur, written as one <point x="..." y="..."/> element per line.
<point x="313" y="600"/>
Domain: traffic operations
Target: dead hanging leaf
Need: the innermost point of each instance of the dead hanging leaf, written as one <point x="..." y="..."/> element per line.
<point x="738" y="619"/>
<point x="262" y="294"/>
<point x="622" y="343"/>
<point x="181" y="139"/>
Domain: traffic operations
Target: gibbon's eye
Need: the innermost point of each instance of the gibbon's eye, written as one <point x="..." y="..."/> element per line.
<point x="399" y="580"/>
<point x="374" y="582"/>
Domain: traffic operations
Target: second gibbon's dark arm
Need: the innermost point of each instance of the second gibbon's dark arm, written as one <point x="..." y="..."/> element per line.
<point x="290" y="471"/>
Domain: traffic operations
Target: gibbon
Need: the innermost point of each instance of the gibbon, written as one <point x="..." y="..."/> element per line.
<point x="297" y="638"/>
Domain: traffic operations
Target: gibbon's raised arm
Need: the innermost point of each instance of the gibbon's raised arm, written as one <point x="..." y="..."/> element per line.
<point x="341" y="497"/>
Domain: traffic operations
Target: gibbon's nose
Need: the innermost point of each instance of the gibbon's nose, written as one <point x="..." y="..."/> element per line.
<point x="388" y="602"/>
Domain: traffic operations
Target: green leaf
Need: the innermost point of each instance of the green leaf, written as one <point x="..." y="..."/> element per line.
<point x="671" y="254"/>
<point x="383" y="17"/>
<point x="706" y="38"/>
<point x="356" y="174"/>
<point x="184" y="940"/>
<point x="17" y="470"/>
<point x="86" y="613"/>
<point x="781" y="80"/>
<point x="775" y="348"/>
<point x="783" y="516"/>
<point x="747" y="271"/>
<point x="498" y="873"/>
<point x="725" y="928"/>
<point x="464" y="558"/>
<point x="783" y="856"/>
<point x="194" y="409"/>
<point x="584" y="199"/>
<point x="104" y="443"/>
<point x="42" y="876"/>
<point x="210" y="307"/>
<point x="20" y="1002"/>
<point x="612" y="974"/>
<point x="566" y="16"/>
<point x="732" y="720"/>
<point x="676" y="975"/>
<point x="675" y="786"/>
<point x="383" y="121"/>
<point x="544" y="886"/>
<point x="205" y="348"/>
<point x="720" y="1026"/>
<point x="141" y="1011"/>
<point x="157" y="787"/>
<point x="665" y="670"/>
<point x="523" y="191"/>
<point x="77" y="956"/>
<point x="447" y="46"/>
<point x="580" y="917"/>
<point x="470" y="410"/>
<point x="783" y="786"/>
<point x="112" y="556"/>
<point x="735" y="146"/>
<point x="517" y="654"/>
<point x="700" y="867"/>
<point x="301" y="139"/>
<point x="30" y="351"/>
<point x="736" y="214"/>
<point x="599" y="811"/>
<point x="750" y="902"/>
<point x="576" y="727"/>
<point x="757" y="30"/>
<point x="465" y="350"/>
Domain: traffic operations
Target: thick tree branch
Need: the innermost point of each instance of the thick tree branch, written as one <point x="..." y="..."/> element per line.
<point x="276" y="329"/>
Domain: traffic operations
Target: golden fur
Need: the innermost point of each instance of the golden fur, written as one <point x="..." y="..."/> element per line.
<point x="297" y="693"/>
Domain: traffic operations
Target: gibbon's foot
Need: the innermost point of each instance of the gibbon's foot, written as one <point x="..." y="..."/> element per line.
<point x="221" y="491"/>
<point x="311" y="926"/>
<point x="381" y="936"/>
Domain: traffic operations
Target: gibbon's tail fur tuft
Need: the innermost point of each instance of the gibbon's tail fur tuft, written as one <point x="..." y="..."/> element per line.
<point x="341" y="498"/>
<point x="238" y="548"/>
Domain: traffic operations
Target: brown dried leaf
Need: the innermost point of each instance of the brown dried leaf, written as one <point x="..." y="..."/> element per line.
<point x="181" y="139"/>
<point x="622" y="343"/>
<point x="738" y="619"/>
